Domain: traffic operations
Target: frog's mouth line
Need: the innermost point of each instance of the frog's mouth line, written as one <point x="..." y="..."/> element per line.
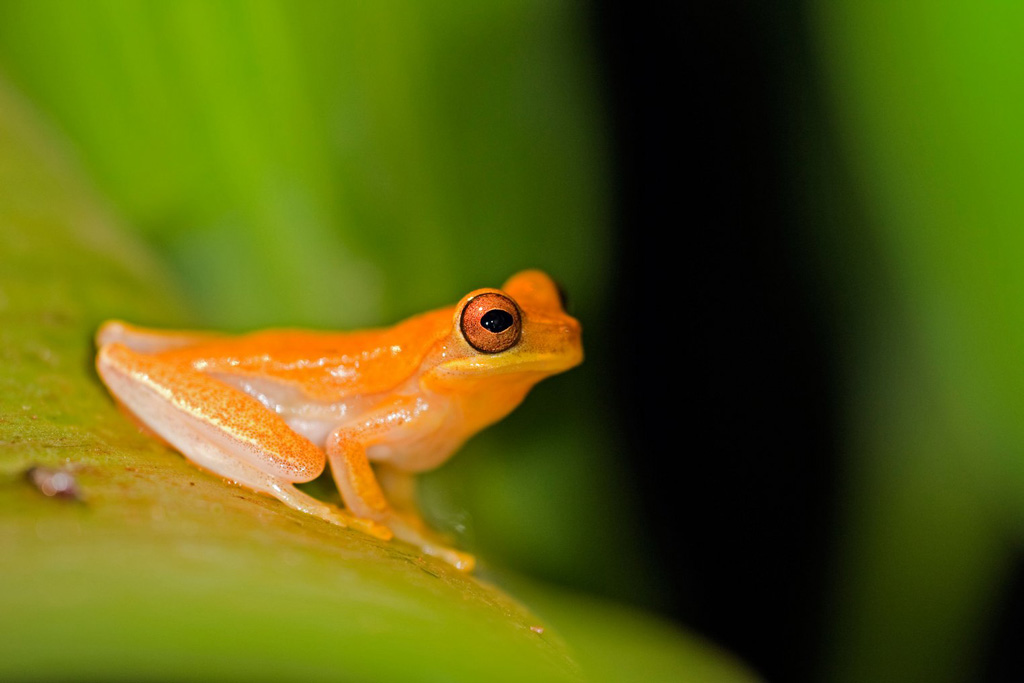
<point x="551" y="363"/>
<point x="546" y="364"/>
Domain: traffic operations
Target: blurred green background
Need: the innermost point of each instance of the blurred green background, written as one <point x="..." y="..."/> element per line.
<point x="927" y="106"/>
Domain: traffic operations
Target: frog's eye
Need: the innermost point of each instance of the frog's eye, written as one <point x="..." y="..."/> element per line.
<point x="491" y="322"/>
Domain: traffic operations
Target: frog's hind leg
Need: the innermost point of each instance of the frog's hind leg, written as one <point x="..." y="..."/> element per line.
<point x="146" y="340"/>
<point x="221" y="429"/>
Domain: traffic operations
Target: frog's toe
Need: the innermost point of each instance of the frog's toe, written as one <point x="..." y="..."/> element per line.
<point x="461" y="561"/>
<point x="368" y="526"/>
<point x="411" y="529"/>
<point x="350" y="521"/>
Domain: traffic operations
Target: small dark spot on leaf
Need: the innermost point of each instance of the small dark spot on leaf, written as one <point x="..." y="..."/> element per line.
<point x="425" y="568"/>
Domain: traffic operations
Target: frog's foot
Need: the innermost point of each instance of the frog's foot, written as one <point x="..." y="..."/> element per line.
<point x="294" y="498"/>
<point x="411" y="529"/>
<point x="362" y="494"/>
<point x="252" y="478"/>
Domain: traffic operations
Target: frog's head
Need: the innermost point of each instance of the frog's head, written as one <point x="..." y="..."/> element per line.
<point x="510" y="337"/>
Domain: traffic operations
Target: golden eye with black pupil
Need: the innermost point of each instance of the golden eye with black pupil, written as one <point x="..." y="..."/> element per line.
<point x="491" y="322"/>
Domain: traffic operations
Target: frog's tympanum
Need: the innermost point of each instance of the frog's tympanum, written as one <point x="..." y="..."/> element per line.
<point x="268" y="409"/>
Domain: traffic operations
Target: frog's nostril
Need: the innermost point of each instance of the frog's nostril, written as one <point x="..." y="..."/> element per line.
<point x="570" y="334"/>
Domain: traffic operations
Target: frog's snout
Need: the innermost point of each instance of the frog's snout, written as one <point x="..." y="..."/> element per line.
<point x="573" y="332"/>
<point x="576" y="335"/>
<point x="566" y="341"/>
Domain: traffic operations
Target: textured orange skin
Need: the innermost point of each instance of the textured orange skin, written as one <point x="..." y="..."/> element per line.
<point x="422" y="361"/>
<point x="376" y="360"/>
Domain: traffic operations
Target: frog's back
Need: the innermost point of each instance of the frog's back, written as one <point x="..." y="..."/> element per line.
<point x="324" y="366"/>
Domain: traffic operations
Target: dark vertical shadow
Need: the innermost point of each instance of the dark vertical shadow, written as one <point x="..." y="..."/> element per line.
<point x="1002" y="657"/>
<point x="726" y="385"/>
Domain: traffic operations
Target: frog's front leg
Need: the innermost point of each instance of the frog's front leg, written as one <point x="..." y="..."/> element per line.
<point x="220" y="429"/>
<point x="408" y="524"/>
<point x="346" y="449"/>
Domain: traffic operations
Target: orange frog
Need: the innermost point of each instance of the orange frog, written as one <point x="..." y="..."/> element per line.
<point x="268" y="409"/>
